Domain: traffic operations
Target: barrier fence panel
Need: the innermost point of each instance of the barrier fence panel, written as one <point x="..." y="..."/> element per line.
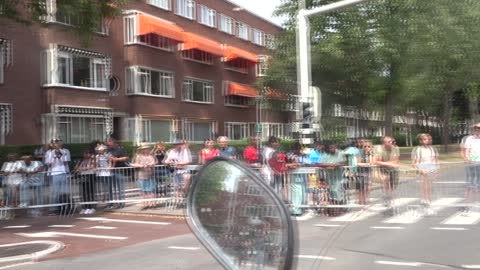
<point x="327" y="190"/>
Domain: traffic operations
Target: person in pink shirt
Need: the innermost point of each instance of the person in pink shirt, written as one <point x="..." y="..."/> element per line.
<point x="208" y="152"/>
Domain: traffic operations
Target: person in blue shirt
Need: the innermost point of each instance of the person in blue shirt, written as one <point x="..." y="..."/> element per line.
<point x="315" y="155"/>
<point x="224" y="149"/>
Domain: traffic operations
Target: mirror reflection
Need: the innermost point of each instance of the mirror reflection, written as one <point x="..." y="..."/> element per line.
<point x="240" y="217"/>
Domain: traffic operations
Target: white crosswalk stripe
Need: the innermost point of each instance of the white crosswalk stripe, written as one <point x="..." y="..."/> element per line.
<point x="414" y="215"/>
<point x="461" y="219"/>
<point x="370" y="211"/>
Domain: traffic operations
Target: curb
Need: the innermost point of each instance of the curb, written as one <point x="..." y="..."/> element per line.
<point x="142" y="214"/>
<point x="31" y="257"/>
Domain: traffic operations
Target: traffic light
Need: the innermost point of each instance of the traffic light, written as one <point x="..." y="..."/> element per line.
<point x="307" y="112"/>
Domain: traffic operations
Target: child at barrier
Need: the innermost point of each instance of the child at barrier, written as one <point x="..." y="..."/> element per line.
<point x="425" y="160"/>
<point x="103" y="172"/>
<point x="364" y="172"/>
<point x="12" y="179"/>
<point x="33" y="180"/>
<point x="144" y="162"/>
<point x="297" y="189"/>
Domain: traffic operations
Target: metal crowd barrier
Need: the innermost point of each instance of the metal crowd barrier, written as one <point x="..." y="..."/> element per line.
<point x="163" y="187"/>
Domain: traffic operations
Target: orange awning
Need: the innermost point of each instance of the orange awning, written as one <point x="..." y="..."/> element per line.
<point x="243" y="90"/>
<point x="193" y="41"/>
<point x="147" y="24"/>
<point x="231" y="53"/>
<point x="275" y="94"/>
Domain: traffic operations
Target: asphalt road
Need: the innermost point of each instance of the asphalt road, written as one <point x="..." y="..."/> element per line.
<point x="369" y="238"/>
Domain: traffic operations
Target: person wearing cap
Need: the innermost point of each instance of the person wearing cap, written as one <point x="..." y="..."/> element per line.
<point x="472" y="159"/>
<point x="145" y="162"/>
<point x="224" y="150"/>
<point x="103" y="173"/>
<point x="57" y="160"/>
<point x="178" y="157"/>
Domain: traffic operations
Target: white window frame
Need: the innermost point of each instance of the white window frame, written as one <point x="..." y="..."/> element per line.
<point x="82" y="121"/>
<point x="189" y="131"/>
<point x="188" y="88"/>
<point x="135" y="75"/>
<point x="2" y="62"/>
<point x="147" y="129"/>
<point x="261" y="66"/>
<point x="243" y="30"/>
<point x="163" y="4"/>
<point x="291" y="105"/>
<point x="258" y="37"/>
<point x="51" y="70"/>
<point x="207" y="16"/>
<point x="130" y="36"/>
<point x="226" y="24"/>
<point x="185" y="8"/>
<point x="229" y="129"/>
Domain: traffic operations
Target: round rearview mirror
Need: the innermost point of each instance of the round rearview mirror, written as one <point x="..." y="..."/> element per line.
<point x="238" y="218"/>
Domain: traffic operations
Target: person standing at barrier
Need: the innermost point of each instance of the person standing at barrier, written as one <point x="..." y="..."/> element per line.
<point x="266" y="172"/>
<point x="85" y="170"/>
<point x="33" y="176"/>
<point x="207" y="152"/>
<point x="144" y="162"/>
<point x="57" y="162"/>
<point x="472" y="159"/>
<point x="297" y="190"/>
<point x="162" y="172"/>
<point x="119" y="159"/>
<point x="179" y="157"/>
<point x="250" y="153"/>
<point x="315" y="154"/>
<point x="103" y="173"/>
<point x="224" y="150"/>
<point x="363" y="175"/>
<point x="332" y="163"/>
<point x="425" y="161"/>
<point x="386" y="157"/>
<point x="13" y="179"/>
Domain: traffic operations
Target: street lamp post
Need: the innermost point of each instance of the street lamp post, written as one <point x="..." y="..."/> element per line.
<point x="303" y="60"/>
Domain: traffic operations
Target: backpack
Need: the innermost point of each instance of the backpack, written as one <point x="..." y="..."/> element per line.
<point x="278" y="162"/>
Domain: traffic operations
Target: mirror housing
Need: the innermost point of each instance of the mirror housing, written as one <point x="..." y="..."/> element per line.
<point x="239" y="218"/>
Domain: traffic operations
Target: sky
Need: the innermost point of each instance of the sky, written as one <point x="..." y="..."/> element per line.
<point x="263" y="8"/>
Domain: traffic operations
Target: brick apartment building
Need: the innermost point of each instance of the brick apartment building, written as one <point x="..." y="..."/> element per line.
<point x="164" y="69"/>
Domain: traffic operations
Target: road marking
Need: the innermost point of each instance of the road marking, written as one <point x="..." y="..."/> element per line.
<point x="448" y="229"/>
<point x="328" y="225"/>
<point x="307" y="216"/>
<point x="462" y="219"/>
<point x="370" y="211"/>
<point x="449" y="182"/>
<point x="315" y="257"/>
<point x="414" y="264"/>
<point x="125" y="221"/>
<point x="56" y="234"/>
<point x="184" y="248"/>
<point x="412" y="216"/>
<point x="17" y="227"/>
<point x="29" y="258"/>
<point x="61" y="226"/>
<point x="471" y="266"/>
<point x="387" y="228"/>
<point x="103" y="227"/>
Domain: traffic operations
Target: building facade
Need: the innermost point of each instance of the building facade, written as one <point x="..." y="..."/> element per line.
<point x="165" y="69"/>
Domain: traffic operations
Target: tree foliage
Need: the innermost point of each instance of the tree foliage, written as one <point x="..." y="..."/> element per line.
<point x="85" y="15"/>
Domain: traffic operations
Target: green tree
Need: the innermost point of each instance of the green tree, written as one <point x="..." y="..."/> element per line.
<point x="86" y="15"/>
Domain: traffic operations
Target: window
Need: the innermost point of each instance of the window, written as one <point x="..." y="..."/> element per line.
<point x="197" y="55"/>
<point x="157" y="130"/>
<point x="150" y="39"/>
<point x="58" y="15"/>
<point x="198" y="130"/>
<point x="261" y="66"/>
<point x="75" y="67"/>
<point x="206" y="16"/>
<point x="150" y="82"/>
<point x="238" y="100"/>
<point x="198" y="91"/>
<point x="226" y="24"/>
<point x="185" y="8"/>
<point x="270" y="41"/>
<point x="81" y="129"/>
<point x="278" y="130"/>
<point x="237" y="131"/>
<point x="6" y="121"/>
<point x="291" y="103"/>
<point x="243" y="30"/>
<point x="164" y="4"/>
<point x="239" y="65"/>
<point x="5" y="57"/>
<point x="258" y="37"/>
